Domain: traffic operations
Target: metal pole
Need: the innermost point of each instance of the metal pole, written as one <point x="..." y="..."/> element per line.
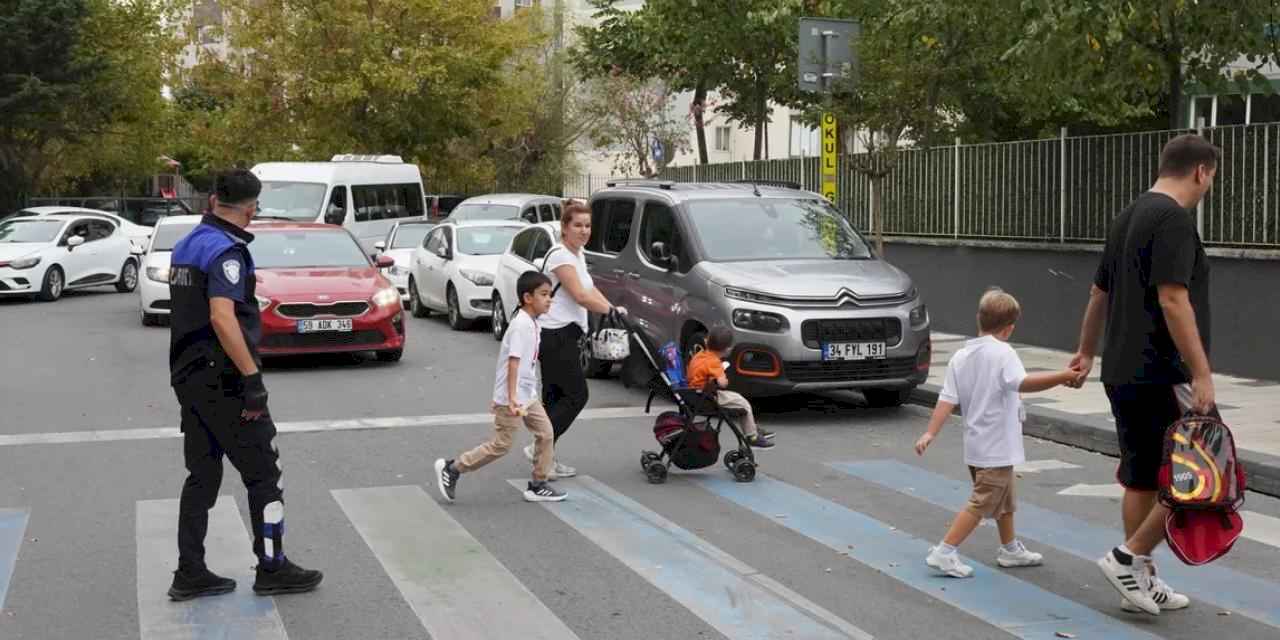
<point x="955" y="196"/>
<point x="1200" y="205"/>
<point x="1062" y="185"/>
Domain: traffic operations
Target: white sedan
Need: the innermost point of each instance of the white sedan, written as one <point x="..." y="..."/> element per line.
<point x="153" y="288"/>
<point x="453" y="270"/>
<point x="44" y="256"/>
<point x="138" y="234"/>
<point x="399" y="244"/>
<point x="525" y="253"/>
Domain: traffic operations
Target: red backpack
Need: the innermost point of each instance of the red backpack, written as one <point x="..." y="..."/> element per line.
<point x="1203" y="483"/>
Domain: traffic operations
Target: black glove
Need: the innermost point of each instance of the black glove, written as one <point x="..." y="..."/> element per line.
<point x="255" y="395"/>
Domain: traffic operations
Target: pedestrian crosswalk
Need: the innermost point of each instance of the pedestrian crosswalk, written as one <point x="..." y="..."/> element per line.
<point x="458" y="588"/>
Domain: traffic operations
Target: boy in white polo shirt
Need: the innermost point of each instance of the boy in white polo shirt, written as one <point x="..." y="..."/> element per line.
<point x="985" y="379"/>
<point x="515" y="399"/>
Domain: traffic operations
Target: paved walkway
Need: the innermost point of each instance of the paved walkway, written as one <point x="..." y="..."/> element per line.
<point x="1250" y="407"/>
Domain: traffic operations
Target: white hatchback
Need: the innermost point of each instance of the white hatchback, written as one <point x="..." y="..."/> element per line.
<point x="399" y="244"/>
<point x="44" y="256"/>
<point x="153" y="289"/>
<point x="453" y="270"/>
<point x="525" y="253"/>
<point x="138" y="234"/>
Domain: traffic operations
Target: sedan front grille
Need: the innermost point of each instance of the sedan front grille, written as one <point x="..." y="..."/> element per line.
<point x="309" y="310"/>
<point x="850" y="371"/>
<point x="815" y="333"/>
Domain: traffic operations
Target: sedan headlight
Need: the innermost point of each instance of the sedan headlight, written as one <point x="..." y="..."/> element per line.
<point x="158" y="274"/>
<point x="919" y="316"/>
<point x="386" y="297"/>
<point x="478" y="278"/>
<point x="25" y="263"/>
<point x="263" y="303"/>
<point x="760" y="321"/>
<point x="397" y="270"/>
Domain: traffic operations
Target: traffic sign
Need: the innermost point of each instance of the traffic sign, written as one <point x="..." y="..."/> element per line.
<point x="827" y="52"/>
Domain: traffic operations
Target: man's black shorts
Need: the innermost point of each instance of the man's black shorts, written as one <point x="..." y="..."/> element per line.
<point x="1143" y="413"/>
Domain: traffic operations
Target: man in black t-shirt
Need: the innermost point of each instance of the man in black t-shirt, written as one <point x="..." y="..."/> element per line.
<point x="1151" y="292"/>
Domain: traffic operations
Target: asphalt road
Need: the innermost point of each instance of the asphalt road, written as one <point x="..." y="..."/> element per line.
<point x="828" y="542"/>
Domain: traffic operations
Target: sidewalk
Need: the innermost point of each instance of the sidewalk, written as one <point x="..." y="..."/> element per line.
<point x="1082" y="417"/>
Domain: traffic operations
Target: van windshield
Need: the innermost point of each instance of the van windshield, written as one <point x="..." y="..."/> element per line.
<point x="775" y="229"/>
<point x="294" y="200"/>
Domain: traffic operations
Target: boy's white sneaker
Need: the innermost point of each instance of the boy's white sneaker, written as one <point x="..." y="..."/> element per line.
<point x="1130" y="580"/>
<point x="563" y="470"/>
<point x="1019" y="557"/>
<point x="1161" y="592"/>
<point x="948" y="564"/>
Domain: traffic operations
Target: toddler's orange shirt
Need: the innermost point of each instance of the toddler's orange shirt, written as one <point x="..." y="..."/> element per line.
<point x="703" y="367"/>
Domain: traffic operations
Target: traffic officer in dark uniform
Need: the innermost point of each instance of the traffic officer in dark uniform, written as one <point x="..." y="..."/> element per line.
<point x="213" y="366"/>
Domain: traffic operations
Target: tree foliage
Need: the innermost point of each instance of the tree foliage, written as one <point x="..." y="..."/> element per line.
<point x="81" y="93"/>
<point x="628" y="115"/>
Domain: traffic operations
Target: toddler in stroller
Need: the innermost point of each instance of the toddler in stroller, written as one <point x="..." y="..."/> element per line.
<point x="690" y="436"/>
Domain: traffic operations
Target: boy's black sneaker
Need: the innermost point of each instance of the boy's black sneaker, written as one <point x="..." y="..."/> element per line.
<point x="543" y="492"/>
<point x="759" y="442"/>
<point x="764" y="433"/>
<point x="289" y="578"/>
<point x="199" y="583"/>
<point x="446" y="478"/>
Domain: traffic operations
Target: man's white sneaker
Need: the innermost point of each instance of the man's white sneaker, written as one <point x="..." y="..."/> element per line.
<point x="1129" y="581"/>
<point x="948" y="564"/>
<point x="564" y="471"/>
<point x="1019" y="557"/>
<point x="1161" y="592"/>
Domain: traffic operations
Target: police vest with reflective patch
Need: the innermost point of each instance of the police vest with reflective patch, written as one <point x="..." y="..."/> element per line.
<point x="192" y="341"/>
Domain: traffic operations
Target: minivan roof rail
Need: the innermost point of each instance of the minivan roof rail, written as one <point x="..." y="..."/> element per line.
<point x="661" y="184"/>
<point x="783" y="184"/>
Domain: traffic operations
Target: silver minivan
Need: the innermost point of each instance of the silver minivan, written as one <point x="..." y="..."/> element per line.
<point x="811" y="305"/>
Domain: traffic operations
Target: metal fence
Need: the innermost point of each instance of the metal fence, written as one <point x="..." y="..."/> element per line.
<point x="1064" y="189"/>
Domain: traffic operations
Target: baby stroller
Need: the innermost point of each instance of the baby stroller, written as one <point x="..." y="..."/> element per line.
<point x="690" y="436"/>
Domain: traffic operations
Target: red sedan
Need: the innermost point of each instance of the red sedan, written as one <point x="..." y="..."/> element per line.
<point x="320" y="293"/>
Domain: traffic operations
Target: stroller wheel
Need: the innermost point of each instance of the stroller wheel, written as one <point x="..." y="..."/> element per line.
<point x="744" y="471"/>
<point x="732" y="458"/>
<point x="646" y="457"/>
<point x="656" y="472"/>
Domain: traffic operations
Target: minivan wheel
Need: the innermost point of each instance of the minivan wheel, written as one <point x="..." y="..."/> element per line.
<point x="886" y="398"/>
<point x="695" y="343"/>
<point x="416" y="307"/>
<point x="499" y="318"/>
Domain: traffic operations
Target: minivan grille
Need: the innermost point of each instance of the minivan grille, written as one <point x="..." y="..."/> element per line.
<point x="308" y="310"/>
<point x="849" y="371"/>
<point x="816" y="332"/>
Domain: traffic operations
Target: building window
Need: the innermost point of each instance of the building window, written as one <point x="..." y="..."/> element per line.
<point x="1231" y="110"/>
<point x="722" y="138"/>
<point x="1264" y="107"/>
<point x="526" y="4"/>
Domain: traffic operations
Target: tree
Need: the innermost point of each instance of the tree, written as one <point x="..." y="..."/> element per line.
<point x="1125" y="59"/>
<point x="431" y="80"/>
<point x="80" y="97"/>
<point x="630" y="118"/>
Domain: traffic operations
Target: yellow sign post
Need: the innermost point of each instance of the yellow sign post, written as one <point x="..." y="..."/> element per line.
<point x="829" y="156"/>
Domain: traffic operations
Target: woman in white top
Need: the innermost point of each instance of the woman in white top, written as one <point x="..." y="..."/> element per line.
<point x="564" y="383"/>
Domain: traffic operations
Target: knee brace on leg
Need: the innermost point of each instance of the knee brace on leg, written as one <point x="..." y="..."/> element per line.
<point x="273" y="531"/>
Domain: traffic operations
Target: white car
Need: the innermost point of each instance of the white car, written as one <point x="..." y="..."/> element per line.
<point x="453" y="271"/>
<point x="153" y="288"/>
<point x="138" y="234"/>
<point x="525" y="253"/>
<point x="44" y="256"/>
<point x="399" y="244"/>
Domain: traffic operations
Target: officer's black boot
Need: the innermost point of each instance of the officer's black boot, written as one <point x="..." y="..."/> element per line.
<point x="289" y="578"/>
<point x="195" y="583"/>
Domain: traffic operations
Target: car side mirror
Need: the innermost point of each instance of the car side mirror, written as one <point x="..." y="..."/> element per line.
<point x="661" y="256"/>
<point x="380" y="245"/>
<point x="384" y="261"/>
<point x="444" y="253"/>
<point x="74" y="241"/>
<point x="335" y="216"/>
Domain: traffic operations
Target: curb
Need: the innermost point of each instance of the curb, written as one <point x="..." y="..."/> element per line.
<point x="1099" y="436"/>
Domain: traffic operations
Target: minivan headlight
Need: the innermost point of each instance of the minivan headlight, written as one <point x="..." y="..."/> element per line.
<point x="919" y="316"/>
<point x="742" y="294"/>
<point x="760" y="321"/>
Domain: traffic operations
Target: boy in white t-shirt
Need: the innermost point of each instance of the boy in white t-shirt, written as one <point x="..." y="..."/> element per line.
<point x="985" y="379"/>
<point x="515" y="397"/>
